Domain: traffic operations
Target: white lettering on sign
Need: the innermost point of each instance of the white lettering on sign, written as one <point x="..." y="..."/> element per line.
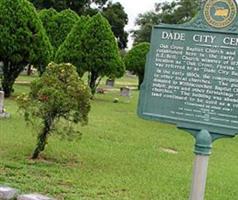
<point x="173" y="36"/>
<point x="198" y="38"/>
<point x="230" y="41"/>
<point x="204" y="38"/>
<point x="201" y="76"/>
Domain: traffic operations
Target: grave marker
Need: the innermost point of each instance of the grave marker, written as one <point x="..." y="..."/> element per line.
<point x="3" y="114"/>
<point x="110" y="82"/>
<point x="191" y="80"/>
<point x="125" y="91"/>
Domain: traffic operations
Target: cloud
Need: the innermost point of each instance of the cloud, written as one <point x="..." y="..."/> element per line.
<point x="133" y="8"/>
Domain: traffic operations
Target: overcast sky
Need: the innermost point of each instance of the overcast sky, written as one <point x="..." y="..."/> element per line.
<point x="134" y="7"/>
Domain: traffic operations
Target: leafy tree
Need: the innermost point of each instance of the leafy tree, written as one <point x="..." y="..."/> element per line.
<point x="135" y="60"/>
<point x="58" y="96"/>
<point x="117" y="18"/>
<point x="114" y="12"/>
<point x="101" y="53"/>
<point x="71" y="50"/>
<point x="92" y="47"/>
<point x="79" y="6"/>
<point x="176" y="12"/>
<point x="22" y="39"/>
<point x="58" y="25"/>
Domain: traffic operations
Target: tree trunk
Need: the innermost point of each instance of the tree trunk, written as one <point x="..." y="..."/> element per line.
<point x="140" y="80"/>
<point x="29" y="71"/>
<point x="42" y="138"/>
<point x="7" y="86"/>
<point x="10" y="73"/>
<point x="92" y="82"/>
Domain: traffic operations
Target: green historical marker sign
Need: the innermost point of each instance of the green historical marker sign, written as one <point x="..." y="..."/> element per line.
<point x="191" y="75"/>
<point x="191" y="80"/>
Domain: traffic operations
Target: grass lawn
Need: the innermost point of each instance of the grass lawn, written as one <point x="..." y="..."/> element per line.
<point x="120" y="156"/>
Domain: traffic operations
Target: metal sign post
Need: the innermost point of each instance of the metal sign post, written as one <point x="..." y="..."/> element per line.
<point x="202" y="151"/>
<point x="199" y="177"/>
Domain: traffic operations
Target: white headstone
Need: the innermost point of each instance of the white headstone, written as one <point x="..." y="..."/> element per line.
<point x="1" y="101"/>
<point x="7" y="193"/>
<point x="33" y="197"/>
<point x="3" y="114"/>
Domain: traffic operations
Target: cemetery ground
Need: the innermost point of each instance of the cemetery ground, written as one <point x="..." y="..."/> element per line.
<point x="119" y="156"/>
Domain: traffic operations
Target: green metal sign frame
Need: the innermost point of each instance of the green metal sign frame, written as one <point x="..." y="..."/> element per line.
<point x="215" y="28"/>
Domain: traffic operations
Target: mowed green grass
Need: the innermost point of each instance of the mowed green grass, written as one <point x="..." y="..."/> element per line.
<point x="120" y="156"/>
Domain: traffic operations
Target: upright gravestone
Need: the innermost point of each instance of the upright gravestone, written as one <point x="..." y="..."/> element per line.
<point x="191" y="80"/>
<point x="125" y="91"/>
<point x="3" y="114"/>
<point x="110" y="82"/>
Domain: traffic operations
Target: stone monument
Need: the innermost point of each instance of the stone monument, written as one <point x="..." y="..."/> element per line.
<point x="3" y="114"/>
<point x="125" y="91"/>
<point x="110" y="82"/>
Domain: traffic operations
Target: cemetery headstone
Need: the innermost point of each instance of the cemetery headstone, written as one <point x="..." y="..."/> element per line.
<point x="110" y="82"/>
<point x="191" y="80"/>
<point x="125" y="91"/>
<point x="7" y="193"/>
<point x="3" y="114"/>
<point x="100" y="91"/>
<point x="33" y="197"/>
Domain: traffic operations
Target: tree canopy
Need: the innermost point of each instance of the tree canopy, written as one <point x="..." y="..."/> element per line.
<point x="175" y="12"/>
<point x="22" y="39"/>
<point x="118" y="19"/>
<point x="114" y="12"/>
<point x="135" y="60"/>
<point x="71" y="49"/>
<point x="102" y="57"/>
<point x="79" y="6"/>
<point x="92" y="47"/>
<point x="58" y="24"/>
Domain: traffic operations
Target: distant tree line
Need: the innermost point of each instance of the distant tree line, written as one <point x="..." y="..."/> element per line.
<point x="114" y="13"/>
<point x="175" y="12"/>
<point x="28" y="37"/>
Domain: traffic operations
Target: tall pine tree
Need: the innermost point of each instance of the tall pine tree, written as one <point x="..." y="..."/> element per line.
<point x="102" y="57"/>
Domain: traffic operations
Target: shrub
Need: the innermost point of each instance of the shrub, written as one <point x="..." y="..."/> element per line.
<point x="58" y="96"/>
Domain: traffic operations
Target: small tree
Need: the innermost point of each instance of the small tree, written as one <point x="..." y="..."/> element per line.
<point x="101" y="53"/>
<point x="58" y="25"/>
<point x="22" y="40"/>
<point x="58" y="96"/>
<point x="135" y="60"/>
